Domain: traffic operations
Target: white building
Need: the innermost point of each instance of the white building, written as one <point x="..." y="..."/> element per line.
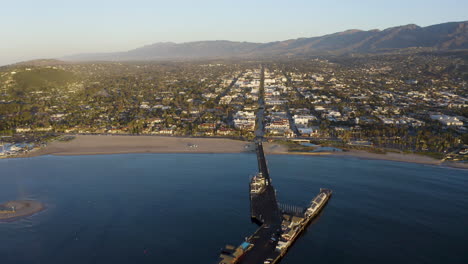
<point x="303" y="119"/>
<point x="244" y="120"/>
<point x="447" y="120"/>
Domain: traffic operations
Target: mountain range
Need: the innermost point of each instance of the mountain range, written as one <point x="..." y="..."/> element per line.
<point x="446" y="36"/>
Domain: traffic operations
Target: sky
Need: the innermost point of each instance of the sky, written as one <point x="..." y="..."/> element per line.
<point x="32" y="29"/>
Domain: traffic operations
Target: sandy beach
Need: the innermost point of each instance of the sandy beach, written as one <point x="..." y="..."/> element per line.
<point x="96" y="145"/>
<point x="413" y="158"/>
<point x="401" y="157"/>
<point x="23" y="208"/>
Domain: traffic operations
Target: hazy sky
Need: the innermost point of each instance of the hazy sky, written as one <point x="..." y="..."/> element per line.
<point x="53" y="28"/>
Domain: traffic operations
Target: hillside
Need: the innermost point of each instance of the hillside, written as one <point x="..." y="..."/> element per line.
<point x="39" y="79"/>
<point x="439" y="37"/>
<point x="447" y="36"/>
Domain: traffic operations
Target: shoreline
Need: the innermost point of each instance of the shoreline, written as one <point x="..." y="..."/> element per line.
<point x="23" y="208"/>
<point x="124" y="144"/>
<point x="401" y="157"/>
<point x="397" y="157"/>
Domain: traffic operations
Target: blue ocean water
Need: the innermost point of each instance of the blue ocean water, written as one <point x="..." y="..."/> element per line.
<point x="183" y="208"/>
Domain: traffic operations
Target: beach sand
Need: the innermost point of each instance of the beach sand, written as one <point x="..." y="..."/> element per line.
<point x="96" y="145"/>
<point x="23" y="208"/>
<point x="401" y="157"/>
<point x="413" y="158"/>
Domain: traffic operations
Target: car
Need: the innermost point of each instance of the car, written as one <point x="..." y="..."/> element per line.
<point x="273" y="239"/>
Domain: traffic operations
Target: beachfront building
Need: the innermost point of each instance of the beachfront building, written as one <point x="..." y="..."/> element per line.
<point x="309" y="131"/>
<point x="166" y="131"/>
<point x="279" y="125"/>
<point x="224" y="131"/>
<point x="245" y="120"/>
<point x="303" y="119"/>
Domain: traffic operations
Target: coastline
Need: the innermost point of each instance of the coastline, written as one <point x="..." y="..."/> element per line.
<point x="401" y="157"/>
<point x="24" y="208"/>
<point x="125" y="144"/>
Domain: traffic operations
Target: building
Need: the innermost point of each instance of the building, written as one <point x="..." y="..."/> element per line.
<point x="447" y="120"/>
<point x="244" y="120"/>
<point x="303" y="119"/>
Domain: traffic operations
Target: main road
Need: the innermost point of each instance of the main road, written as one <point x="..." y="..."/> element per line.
<point x="264" y="206"/>
<point x="259" y="123"/>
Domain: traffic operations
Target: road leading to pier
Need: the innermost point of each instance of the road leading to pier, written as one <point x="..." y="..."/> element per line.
<point x="264" y="206"/>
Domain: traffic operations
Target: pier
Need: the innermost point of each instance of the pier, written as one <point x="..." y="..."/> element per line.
<point x="280" y="225"/>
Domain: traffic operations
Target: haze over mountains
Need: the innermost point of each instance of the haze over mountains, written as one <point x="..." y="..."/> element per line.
<point x="446" y="36"/>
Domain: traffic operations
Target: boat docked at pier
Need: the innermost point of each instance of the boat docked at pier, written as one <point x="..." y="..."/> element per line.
<point x="293" y="225"/>
<point x="318" y="202"/>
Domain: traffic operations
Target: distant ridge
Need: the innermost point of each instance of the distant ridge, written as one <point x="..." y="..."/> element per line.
<point x="446" y="36"/>
<point x="42" y="62"/>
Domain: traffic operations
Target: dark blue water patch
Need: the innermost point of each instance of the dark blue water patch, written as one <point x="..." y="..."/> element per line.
<point x="327" y="149"/>
<point x="305" y="144"/>
<point x="179" y="208"/>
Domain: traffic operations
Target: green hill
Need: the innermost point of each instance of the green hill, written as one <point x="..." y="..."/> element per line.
<point x="38" y="79"/>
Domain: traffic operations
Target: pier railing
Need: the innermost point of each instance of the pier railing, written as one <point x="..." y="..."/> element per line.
<point x="291" y="209"/>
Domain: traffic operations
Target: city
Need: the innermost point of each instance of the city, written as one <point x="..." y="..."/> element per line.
<point x="407" y="103"/>
<point x="234" y="132"/>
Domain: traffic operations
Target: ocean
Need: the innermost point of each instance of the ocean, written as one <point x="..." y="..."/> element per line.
<point x="183" y="208"/>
